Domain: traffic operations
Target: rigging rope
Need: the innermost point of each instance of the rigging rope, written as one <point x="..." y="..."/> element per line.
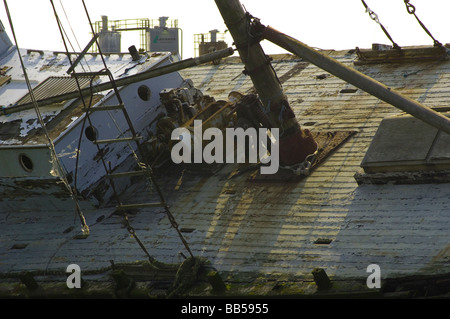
<point x="70" y="26"/>
<point x="55" y="160"/>
<point x="87" y="118"/>
<point x="375" y="18"/>
<point x="412" y="10"/>
<point x="62" y="32"/>
<point x="144" y="165"/>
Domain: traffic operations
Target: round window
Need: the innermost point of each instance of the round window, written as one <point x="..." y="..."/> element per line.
<point x="26" y="163"/>
<point x="144" y="92"/>
<point x="91" y="133"/>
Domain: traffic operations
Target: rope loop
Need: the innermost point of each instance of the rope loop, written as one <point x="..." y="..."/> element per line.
<point x="409" y="7"/>
<point x="375" y="18"/>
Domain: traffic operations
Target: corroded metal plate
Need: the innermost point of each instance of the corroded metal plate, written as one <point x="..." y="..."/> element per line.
<point x="328" y="142"/>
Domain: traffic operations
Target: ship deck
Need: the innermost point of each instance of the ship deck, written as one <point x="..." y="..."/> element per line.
<point x="270" y="229"/>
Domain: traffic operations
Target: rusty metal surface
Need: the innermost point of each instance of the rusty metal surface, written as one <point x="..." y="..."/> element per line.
<point x="406" y="55"/>
<point x="328" y="142"/>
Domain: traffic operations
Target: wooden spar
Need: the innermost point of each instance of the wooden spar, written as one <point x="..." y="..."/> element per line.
<point x="295" y="144"/>
<point x="152" y="73"/>
<point x="356" y="78"/>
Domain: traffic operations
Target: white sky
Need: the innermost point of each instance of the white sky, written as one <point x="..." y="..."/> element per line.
<point x="326" y="24"/>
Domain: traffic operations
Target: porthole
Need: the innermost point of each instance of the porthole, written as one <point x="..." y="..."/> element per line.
<point x="26" y="163"/>
<point x="91" y="133"/>
<point x="144" y="93"/>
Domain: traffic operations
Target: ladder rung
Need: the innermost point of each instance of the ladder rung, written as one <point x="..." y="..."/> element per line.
<point x="105" y="108"/>
<point x="128" y="174"/>
<point x="142" y="205"/>
<point x="118" y="140"/>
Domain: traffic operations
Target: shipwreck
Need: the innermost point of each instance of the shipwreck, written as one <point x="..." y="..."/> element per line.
<point x="87" y="176"/>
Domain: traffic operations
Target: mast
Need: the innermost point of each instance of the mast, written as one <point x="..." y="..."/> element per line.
<point x="295" y="144"/>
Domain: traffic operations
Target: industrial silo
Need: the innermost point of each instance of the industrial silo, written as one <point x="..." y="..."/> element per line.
<point x="109" y="40"/>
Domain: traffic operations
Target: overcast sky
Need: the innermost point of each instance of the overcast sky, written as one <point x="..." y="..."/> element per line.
<point x="326" y="24"/>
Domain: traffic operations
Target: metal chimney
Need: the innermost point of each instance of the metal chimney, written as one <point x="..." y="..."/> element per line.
<point x="214" y="35"/>
<point x="104" y="23"/>
<point x="162" y="21"/>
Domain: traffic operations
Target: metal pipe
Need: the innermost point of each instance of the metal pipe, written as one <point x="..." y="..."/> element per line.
<point x="356" y="78"/>
<point x="152" y="73"/>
